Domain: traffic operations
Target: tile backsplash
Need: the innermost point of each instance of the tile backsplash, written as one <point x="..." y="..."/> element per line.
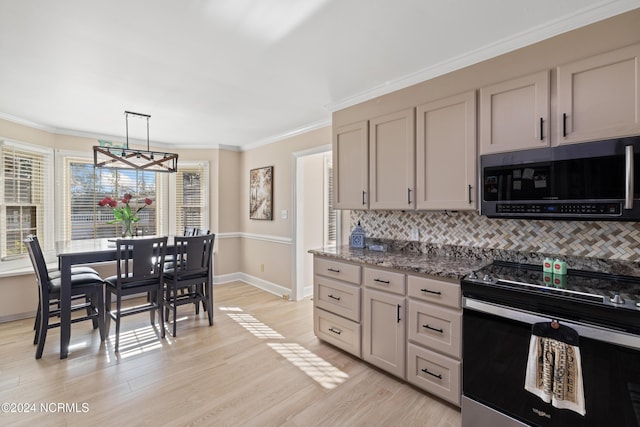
<point x="589" y="239"/>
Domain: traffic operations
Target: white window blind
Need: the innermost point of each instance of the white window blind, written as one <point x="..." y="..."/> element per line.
<point x="191" y="197"/>
<point x="88" y="185"/>
<point x="330" y="214"/>
<point x="25" y="190"/>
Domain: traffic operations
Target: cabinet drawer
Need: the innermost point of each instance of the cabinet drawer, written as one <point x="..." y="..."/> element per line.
<point x="384" y="280"/>
<point x="337" y="270"/>
<point x="337" y="330"/>
<point x="436" y="327"/>
<point x="433" y="372"/>
<point x="337" y="297"/>
<point x="431" y="290"/>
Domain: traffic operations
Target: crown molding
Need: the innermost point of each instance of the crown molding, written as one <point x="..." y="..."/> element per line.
<point x="288" y="134"/>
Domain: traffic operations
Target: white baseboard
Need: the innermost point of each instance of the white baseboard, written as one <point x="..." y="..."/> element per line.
<point x="19" y="316"/>
<point x="265" y="285"/>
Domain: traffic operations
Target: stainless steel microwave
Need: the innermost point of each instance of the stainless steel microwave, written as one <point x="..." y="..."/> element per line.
<point x="594" y="181"/>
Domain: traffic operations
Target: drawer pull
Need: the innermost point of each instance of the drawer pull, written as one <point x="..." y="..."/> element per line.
<point x="333" y="270"/>
<point x="334" y="297"/>
<point x="433" y="329"/>
<point x="426" y="371"/>
<point x="386" y="282"/>
<point x="335" y="331"/>
<point x="431" y="292"/>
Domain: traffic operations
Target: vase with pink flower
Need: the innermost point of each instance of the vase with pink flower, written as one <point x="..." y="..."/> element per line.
<point x="123" y="212"/>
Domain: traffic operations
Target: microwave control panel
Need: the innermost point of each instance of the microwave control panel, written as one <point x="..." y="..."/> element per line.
<point x="609" y="209"/>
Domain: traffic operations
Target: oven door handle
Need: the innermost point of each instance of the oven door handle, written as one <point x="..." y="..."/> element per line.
<point x="588" y="331"/>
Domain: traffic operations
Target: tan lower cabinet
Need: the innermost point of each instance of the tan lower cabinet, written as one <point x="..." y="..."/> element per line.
<point x="337" y="297"/>
<point x="336" y="330"/>
<point x="337" y="303"/>
<point x="434" y="348"/>
<point x="436" y="327"/>
<point x="406" y="324"/>
<point x="434" y="372"/>
<point x="383" y="328"/>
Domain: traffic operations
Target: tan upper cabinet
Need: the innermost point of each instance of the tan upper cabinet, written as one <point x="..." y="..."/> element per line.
<point x="351" y="166"/>
<point x="446" y="153"/>
<point x="392" y="160"/>
<point x="514" y="115"/>
<point x="599" y="97"/>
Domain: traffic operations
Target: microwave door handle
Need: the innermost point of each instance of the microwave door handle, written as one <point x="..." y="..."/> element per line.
<point x="629" y="172"/>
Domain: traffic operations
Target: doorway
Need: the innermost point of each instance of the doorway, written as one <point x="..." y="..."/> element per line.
<point x="315" y="223"/>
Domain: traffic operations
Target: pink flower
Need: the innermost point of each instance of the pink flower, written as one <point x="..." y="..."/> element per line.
<point x="148" y="201"/>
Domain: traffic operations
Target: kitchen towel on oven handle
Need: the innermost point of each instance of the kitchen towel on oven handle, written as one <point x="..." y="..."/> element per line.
<point x="554" y="368"/>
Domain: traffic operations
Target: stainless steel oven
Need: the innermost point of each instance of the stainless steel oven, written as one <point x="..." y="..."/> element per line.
<point x="502" y="302"/>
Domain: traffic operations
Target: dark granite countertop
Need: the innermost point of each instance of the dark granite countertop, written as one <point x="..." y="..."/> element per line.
<point x="410" y="262"/>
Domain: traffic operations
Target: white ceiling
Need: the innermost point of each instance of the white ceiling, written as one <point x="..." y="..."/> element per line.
<point x="246" y="72"/>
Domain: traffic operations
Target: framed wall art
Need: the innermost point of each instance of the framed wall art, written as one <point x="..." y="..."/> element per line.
<point x="261" y="193"/>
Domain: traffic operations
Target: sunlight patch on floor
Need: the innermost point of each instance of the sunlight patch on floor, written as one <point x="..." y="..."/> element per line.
<point x="254" y="326"/>
<point x="318" y="369"/>
<point x="138" y="341"/>
<point x="327" y="375"/>
<point x="230" y="309"/>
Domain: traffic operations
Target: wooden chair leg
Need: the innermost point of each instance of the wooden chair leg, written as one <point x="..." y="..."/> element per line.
<point x="175" y="317"/>
<point x="208" y="293"/>
<point x="100" y="310"/>
<point x="160" y="312"/>
<point x="44" y="326"/>
<point x="36" y="325"/>
<point x="118" y="309"/>
<point x="152" y="297"/>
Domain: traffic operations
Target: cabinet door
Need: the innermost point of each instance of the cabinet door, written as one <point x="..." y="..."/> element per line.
<point x="514" y="115"/>
<point x="446" y="153"/>
<point x="392" y="160"/>
<point x="383" y="328"/>
<point x="599" y="97"/>
<point x="351" y="166"/>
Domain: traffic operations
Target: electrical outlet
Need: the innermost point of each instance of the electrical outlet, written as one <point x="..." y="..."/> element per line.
<point x="261" y="268"/>
<point x="415" y="234"/>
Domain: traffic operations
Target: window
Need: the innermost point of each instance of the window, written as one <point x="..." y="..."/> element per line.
<point x="191" y="197"/>
<point x="88" y="185"/>
<point x="25" y="197"/>
<point x="330" y="214"/>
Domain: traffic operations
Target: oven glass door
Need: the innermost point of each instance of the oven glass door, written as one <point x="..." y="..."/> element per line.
<point x="495" y="351"/>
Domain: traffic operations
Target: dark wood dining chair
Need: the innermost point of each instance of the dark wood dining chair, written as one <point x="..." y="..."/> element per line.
<point x="88" y="286"/>
<point x="188" y="281"/>
<point x="54" y="274"/>
<point x="139" y="266"/>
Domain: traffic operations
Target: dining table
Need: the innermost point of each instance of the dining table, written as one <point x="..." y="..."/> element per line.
<point x="87" y="251"/>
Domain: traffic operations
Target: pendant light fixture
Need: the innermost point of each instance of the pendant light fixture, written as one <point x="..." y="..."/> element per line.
<point x="128" y="158"/>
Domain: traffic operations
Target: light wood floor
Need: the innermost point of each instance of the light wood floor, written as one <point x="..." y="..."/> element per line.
<point x="259" y="365"/>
